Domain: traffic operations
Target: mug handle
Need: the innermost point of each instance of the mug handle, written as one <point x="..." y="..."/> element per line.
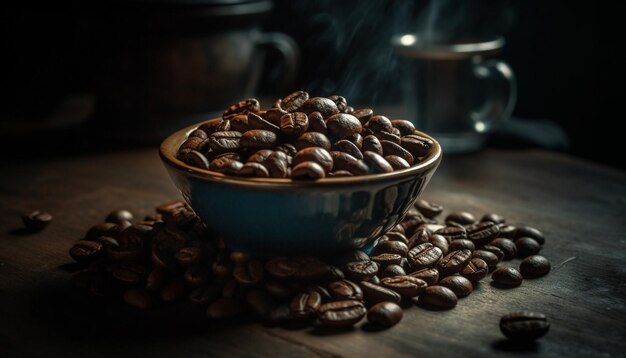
<point x="501" y="94"/>
<point x="290" y="53"/>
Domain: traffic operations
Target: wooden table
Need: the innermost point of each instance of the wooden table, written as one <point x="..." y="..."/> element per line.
<point x="580" y="207"/>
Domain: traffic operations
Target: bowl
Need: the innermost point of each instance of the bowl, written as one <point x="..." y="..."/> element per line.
<point x="271" y="216"/>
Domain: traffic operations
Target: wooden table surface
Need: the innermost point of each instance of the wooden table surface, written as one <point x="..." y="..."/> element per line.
<point x="579" y="206"/>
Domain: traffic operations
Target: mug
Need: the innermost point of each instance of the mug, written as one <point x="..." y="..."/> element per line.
<point x="455" y="93"/>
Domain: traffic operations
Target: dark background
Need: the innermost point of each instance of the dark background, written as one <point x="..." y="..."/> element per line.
<point x="564" y="54"/>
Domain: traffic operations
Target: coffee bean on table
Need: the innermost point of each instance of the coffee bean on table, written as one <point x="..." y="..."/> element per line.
<point x="527" y="246"/>
<point x="85" y="251"/>
<point x="385" y="314"/>
<point x="341" y="314"/>
<point x="460" y="217"/>
<point x="374" y="293"/>
<point x="36" y="221"/>
<point x="428" y="209"/>
<point x="384" y="260"/>
<point x="424" y="256"/>
<point x="507" y="231"/>
<point x="482" y="233"/>
<point x="454" y="262"/>
<point x="405" y="286"/>
<point x="507" y="276"/>
<point x="437" y="296"/>
<point x="305" y="305"/>
<point x="524" y="325"/>
<point x="461" y="286"/>
<point x="507" y="246"/>
<point x="476" y="270"/>
<point x="490" y="258"/>
<point x="345" y="290"/>
<point x="361" y="270"/>
<point x="429" y="275"/>
<point x="391" y="247"/>
<point x="453" y="233"/>
<point x="494" y="250"/>
<point x="528" y="231"/>
<point x="494" y="218"/>
<point x="534" y="266"/>
<point x="103" y="229"/>
<point x="440" y="242"/>
<point x="119" y="216"/>
<point x="461" y="244"/>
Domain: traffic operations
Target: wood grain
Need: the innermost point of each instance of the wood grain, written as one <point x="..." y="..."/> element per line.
<point x="580" y="207"/>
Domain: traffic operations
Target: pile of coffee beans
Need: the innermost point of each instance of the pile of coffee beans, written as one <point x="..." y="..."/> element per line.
<point x="303" y="137"/>
<point x="172" y="256"/>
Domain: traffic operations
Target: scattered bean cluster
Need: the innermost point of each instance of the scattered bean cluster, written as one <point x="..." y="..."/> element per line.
<point x="303" y="138"/>
<point x="171" y="256"/>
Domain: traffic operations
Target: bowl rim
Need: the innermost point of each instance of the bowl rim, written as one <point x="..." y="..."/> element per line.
<point x="170" y="145"/>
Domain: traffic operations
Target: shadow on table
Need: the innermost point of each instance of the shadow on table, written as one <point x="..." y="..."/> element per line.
<point x="512" y="346"/>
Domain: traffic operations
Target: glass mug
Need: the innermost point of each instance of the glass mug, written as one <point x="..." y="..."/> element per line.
<point x="454" y="93"/>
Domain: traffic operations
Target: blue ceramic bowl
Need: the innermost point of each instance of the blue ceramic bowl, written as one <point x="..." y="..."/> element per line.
<point x="270" y="217"/>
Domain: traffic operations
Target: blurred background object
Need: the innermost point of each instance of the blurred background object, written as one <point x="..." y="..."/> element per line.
<point x="64" y="64"/>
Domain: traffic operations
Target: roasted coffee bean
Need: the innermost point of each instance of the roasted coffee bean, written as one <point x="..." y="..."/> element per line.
<point x="391" y="247"/>
<point x="317" y="123"/>
<point x="287" y="148"/>
<point x="475" y="270"/>
<point x="196" y="276"/>
<point x="374" y="293"/>
<point x="397" y="236"/>
<point x="384" y="260"/>
<point x="342" y="125"/>
<point x="281" y="267"/>
<point x="294" y="101"/>
<point x="225" y="141"/>
<point x="393" y="270"/>
<point x="534" y="266"/>
<point x="421" y="236"/>
<point x="254" y="169"/>
<point x="416" y="145"/>
<point x="305" y="305"/>
<point x="356" y="139"/>
<point x="363" y="114"/>
<point x="325" y="106"/>
<point x="489" y="257"/>
<point x="294" y="123"/>
<point x="372" y="144"/>
<point x="405" y="286"/>
<point x="261" y="302"/>
<point x="396" y="162"/>
<point x="348" y="147"/>
<point x="260" y="156"/>
<point x="139" y="298"/>
<point x="172" y="206"/>
<point x="454" y="262"/>
<point x="205" y="294"/>
<point x="103" y="229"/>
<point x="494" y="250"/>
<point x="460" y="217"/>
<point x="377" y="163"/>
<point x="385" y="314"/>
<point x="345" y="290"/>
<point x="361" y="270"/>
<point x="358" y="168"/>
<point x="437" y="296"/>
<point x="507" y="246"/>
<point x="85" y="251"/>
<point x="341" y="314"/>
<point x="429" y="275"/>
<point x="128" y="272"/>
<point x="390" y="148"/>
<point x="258" y="139"/>
<point x="198" y="133"/>
<point x="323" y="292"/>
<point x="379" y="123"/>
<point x="239" y="123"/>
<point x="315" y="154"/>
<point x="36" y="221"/>
<point x="482" y="233"/>
<point x="460" y="285"/>
<point x="440" y="242"/>
<point x="388" y="136"/>
<point x="249" y="274"/>
<point x="526" y="247"/>
<point x="424" y="256"/>
<point x="119" y="216"/>
<point x="225" y="308"/>
<point x="341" y="160"/>
<point x="524" y="326"/>
<point x="245" y="106"/>
<point x="375" y="280"/>
<point x="312" y="139"/>
<point x="257" y="122"/>
<point x="494" y="218"/>
<point x="527" y="231"/>
<point x="214" y="125"/>
<point x="311" y="269"/>
<point x="507" y="231"/>
<point x="307" y="170"/>
<point x="187" y="256"/>
<point x="340" y="101"/>
<point x="453" y="233"/>
<point x="197" y="159"/>
<point x="428" y="209"/>
<point x="507" y="276"/>
<point x="405" y="127"/>
<point x="226" y="165"/>
<point x="461" y="244"/>
<point x="277" y="165"/>
<point x="273" y="115"/>
<point x="352" y="256"/>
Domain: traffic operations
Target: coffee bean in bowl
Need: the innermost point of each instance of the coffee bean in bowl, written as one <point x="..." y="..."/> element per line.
<point x="298" y="178"/>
